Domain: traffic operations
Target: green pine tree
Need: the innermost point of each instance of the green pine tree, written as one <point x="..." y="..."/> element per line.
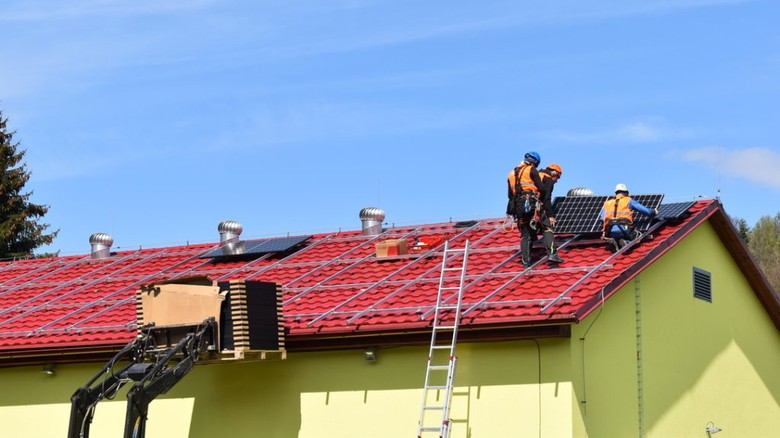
<point x="20" y="231"/>
<point x="742" y="228"/>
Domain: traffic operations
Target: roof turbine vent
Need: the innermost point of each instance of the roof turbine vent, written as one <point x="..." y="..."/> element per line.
<point x="229" y="233"/>
<point x="372" y="218"/>
<point x="580" y="191"/>
<point x="101" y="245"/>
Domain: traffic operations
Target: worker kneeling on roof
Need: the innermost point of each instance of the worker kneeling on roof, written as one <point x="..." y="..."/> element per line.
<point x="618" y="217"/>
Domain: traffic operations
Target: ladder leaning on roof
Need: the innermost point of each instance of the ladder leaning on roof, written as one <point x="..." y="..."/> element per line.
<point x="440" y="369"/>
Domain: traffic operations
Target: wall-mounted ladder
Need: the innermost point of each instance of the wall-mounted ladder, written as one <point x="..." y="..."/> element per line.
<point x="440" y="369"/>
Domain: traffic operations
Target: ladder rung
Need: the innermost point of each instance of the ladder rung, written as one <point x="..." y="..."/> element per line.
<point x="433" y="408"/>
<point x="444" y="327"/>
<point x="449" y="306"/>
<point x="453" y="269"/>
<point x="430" y="428"/>
<point x="441" y="347"/>
<point x="436" y="387"/>
<point x="439" y="367"/>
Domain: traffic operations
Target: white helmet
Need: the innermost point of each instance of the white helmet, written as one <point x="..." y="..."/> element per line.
<point x="621" y="188"/>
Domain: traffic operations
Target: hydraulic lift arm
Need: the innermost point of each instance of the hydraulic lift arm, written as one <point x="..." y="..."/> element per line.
<point x="153" y="378"/>
<point x="156" y="379"/>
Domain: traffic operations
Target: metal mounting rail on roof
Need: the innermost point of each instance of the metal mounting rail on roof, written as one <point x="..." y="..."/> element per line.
<point x="498" y="227"/>
<point x="65" y="330"/>
<point x="376" y="284"/>
<point x="505" y="285"/>
<point x="279" y="262"/>
<point x="150" y="277"/>
<point x="47" y="265"/>
<point x="72" y="292"/>
<point x="44" y="266"/>
<point x="121" y="290"/>
<point x="341" y="257"/>
<point x="599" y="266"/>
<point x="420" y="278"/>
<point x="416" y="309"/>
<point x="60" y="286"/>
<point x="340" y="271"/>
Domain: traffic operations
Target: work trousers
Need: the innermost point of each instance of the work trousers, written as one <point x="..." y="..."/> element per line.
<point x="528" y="236"/>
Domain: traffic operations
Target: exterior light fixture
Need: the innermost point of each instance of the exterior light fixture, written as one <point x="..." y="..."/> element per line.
<point x="370" y="354"/>
<point x="48" y="369"/>
<point x="710" y="428"/>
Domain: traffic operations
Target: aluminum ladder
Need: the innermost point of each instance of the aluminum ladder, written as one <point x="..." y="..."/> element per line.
<point x="440" y="368"/>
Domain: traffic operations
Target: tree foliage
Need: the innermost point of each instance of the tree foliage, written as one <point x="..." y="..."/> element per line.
<point x="742" y="228"/>
<point x="20" y="231"/>
<point x="764" y="245"/>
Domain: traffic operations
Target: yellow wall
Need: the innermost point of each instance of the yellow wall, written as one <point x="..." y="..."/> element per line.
<point x="702" y="362"/>
<point x="326" y="394"/>
<point x="708" y="361"/>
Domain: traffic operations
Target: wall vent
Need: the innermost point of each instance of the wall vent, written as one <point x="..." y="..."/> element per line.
<point x="702" y="285"/>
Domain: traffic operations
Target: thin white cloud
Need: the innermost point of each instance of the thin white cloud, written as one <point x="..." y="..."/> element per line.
<point x="757" y="165"/>
<point x="634" y="133"/>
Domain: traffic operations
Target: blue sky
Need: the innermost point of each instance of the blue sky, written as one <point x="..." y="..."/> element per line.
<point x="154" y="121"/>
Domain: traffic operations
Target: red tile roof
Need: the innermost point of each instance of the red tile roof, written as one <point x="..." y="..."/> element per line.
<point x="335" y="286"/>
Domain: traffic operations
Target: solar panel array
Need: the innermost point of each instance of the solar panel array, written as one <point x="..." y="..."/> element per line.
<point x="262" y="246"/>
<point x="582" y="214"/>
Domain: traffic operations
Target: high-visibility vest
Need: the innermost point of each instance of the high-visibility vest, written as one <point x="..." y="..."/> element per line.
<point x="617" y="208"/>
<point x="523" y="171"/>
<point x="543" y="175"/>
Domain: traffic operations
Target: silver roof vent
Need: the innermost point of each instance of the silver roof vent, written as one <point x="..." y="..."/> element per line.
<point x="580" y="191"/>
<point x="229" y="233"/>
<point x="372" y="218"/>
<point x="101" y="245"/>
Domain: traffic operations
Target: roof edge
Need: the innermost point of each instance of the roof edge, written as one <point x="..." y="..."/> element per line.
<point x="728" y="233"/>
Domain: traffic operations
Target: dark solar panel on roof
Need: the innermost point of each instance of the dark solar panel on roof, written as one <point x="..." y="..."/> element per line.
<point x="262" y="246"/>
<point x="581" y="214"/>
<point x="674" y="210"/>
<point x="577" y="214"/>
<point x="641" y="221"/>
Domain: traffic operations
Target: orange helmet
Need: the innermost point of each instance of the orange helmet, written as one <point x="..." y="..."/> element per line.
<point x="556" y="168"/>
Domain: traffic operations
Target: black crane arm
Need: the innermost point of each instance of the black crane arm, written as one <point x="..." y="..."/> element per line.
<point x="153" y="378"/>
<point x="159" y="378"/>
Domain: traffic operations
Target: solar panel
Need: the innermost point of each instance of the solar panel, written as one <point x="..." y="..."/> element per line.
<point x="256" y="247"/>
<point x="581" y="214"/>
<point x="578" y="214"/>
<point x="674" y="210"/>
<point x="641" y="221"/>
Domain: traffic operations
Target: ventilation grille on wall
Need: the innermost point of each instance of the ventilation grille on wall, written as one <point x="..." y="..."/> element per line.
<point x="702" y="285"/>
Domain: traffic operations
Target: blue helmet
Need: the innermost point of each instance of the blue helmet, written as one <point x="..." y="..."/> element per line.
<point x="533" y="158"/>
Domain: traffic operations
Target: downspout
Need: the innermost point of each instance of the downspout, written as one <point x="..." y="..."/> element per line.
<point x="640" y="396"/>
<point x="584" y="401"/>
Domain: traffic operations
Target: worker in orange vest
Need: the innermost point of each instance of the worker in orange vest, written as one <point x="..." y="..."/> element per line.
<point x="526" y="193"/>
<point x="549" y="177"/>
<point x="618" y="217"/>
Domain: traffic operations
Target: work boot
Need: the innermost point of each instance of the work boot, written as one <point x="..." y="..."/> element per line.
<point x="555" y="258"/>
